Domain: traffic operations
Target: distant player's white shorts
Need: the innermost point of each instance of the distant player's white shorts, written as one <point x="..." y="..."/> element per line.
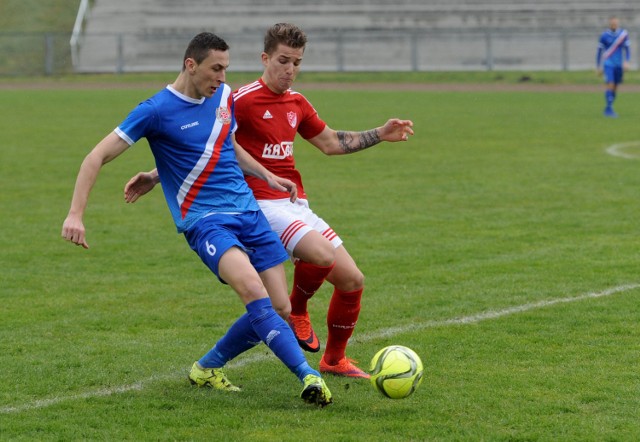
<point x="292" y="221"/>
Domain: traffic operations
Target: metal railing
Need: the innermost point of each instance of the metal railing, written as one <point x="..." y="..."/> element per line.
<point x="74" y="42"/>
<point x="344" y="50"/>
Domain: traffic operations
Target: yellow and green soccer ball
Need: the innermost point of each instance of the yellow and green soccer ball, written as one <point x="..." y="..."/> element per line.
<point x="396" y="371"/>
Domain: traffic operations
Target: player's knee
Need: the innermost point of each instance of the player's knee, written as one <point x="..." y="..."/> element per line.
<point x="354" y="281"/>
<point x="283" y="310"/>
<point x="281" y="305"/>
<point x="250" y="289"/>
<point x="323" y="256"/>
<point x="327" y="258"/>
<point x="358" y="280"/>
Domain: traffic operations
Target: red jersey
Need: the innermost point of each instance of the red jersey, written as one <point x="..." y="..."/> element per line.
<point x="267" y="125"/>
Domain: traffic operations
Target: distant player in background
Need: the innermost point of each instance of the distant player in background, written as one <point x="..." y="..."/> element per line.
<point x="612" y="59"/>
<point x="190" y="127"/>
<point x="269" y="116"/>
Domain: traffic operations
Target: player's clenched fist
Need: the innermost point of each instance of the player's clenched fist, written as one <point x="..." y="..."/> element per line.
<point x="73" y="230"/>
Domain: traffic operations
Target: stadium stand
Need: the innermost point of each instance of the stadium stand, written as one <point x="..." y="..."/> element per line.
<point x="129" y="35"/>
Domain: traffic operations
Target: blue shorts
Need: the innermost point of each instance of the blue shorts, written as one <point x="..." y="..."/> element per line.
<point x="213" y="235"/>
<point x="612" y="74"/>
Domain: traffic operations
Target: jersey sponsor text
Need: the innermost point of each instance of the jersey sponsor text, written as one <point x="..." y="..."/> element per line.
<point x="187" y="126"/>
<point x="278" y="151"/>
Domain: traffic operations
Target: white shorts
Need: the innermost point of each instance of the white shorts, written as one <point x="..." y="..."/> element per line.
<point x="292" y="221"/>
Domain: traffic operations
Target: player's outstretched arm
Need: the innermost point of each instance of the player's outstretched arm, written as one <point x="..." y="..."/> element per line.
<point x="110" y="147"/>
<point x="140" y="184"/>
<point x="340" y="142"/>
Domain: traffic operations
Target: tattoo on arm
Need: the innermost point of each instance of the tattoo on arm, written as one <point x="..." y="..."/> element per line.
<point x="351" y="142"/>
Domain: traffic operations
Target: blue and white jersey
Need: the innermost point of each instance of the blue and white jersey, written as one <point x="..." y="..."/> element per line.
<point x="613" y="48"/>
<point x="191" y="142"/>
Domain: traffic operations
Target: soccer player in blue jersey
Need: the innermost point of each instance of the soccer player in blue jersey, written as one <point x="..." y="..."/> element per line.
<point x="190" y="128"/>
<point x="612" y="59"/>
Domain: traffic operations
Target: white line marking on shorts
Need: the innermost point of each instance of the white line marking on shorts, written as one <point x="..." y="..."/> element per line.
<point x="624" y="150"/>
<point x="250" y="359"/>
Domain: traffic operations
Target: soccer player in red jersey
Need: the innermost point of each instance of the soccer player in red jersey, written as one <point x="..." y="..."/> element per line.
<point x="269" y="115"/>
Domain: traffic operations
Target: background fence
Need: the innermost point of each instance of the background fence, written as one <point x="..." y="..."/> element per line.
<point x="335" y="50"/>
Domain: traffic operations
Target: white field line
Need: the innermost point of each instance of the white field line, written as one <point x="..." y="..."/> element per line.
<point x="492" y="314"/>
<point x="625" y="150"/>
<point x="384" y="333"/>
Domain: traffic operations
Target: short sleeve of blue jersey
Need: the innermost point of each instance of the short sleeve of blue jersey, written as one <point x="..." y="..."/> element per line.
<point x="141" y="122"/>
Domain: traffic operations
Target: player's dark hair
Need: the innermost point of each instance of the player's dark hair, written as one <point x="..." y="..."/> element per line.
<point x="286" y="34"/>
<point x="200" y="46"/>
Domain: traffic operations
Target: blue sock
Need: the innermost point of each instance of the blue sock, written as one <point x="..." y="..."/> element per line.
<point x="609" y="97"/>
<point x="275" y="332"/>
<point x="239" y="338"/>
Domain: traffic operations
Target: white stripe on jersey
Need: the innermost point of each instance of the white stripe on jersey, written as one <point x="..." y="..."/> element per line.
<point x="616" y="43"/>
<point x="206" y="155"/>
<point x="124" y="136"/>
<point x="247" y="89"/>
<point x="251" y="87"/>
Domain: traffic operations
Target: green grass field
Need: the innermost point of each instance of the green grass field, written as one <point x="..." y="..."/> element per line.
<point x="500" y="243"/>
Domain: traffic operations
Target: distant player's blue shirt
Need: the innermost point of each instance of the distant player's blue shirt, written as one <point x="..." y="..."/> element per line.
<point x="191" y="142"/>
<point x="613" y="48"/>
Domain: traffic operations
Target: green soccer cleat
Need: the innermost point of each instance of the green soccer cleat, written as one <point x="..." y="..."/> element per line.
<point x="315" y="391"/>
<point x="210" y="378"/>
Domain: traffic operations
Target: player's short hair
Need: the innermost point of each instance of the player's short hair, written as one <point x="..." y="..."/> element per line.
<point x="201" y="44"/>
<point x="284" y="33"/>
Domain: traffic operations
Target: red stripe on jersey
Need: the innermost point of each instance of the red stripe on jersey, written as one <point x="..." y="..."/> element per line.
<point x="290" y="231"/>
<point x="208" y="169"/>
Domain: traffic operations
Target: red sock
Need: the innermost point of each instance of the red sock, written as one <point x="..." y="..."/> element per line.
<point x="307" y="279"/>
<point x="344" y="310"/>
